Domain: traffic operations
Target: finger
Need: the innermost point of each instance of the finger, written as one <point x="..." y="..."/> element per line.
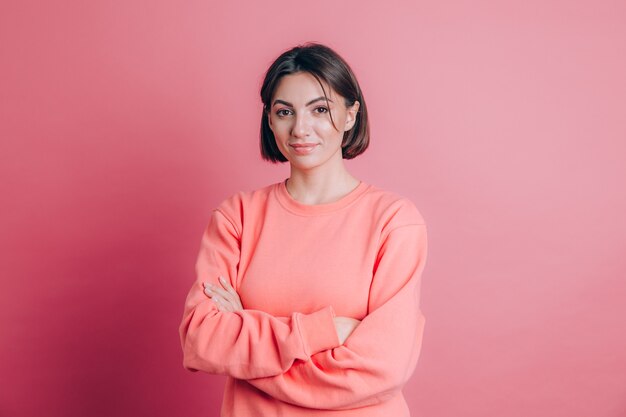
<point x="237" y="304"/>
<point x="221" y="304"/>
<point x="228" y="306"/>
<point x="211" y="290"/>
<point x="216" y="303"/>
<point x="230" y="299"/>
<point x="233" y="296"/>
<point x="227" y="285"/>
<point x="208" y="292"/>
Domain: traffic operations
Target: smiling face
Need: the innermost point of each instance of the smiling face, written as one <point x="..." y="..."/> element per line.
<point x="300" y="121"/>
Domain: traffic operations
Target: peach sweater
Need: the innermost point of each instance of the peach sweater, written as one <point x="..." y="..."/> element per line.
<point x="295" y="267"/>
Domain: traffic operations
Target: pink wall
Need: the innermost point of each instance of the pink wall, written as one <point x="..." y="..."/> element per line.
<point x="123" y="123"/>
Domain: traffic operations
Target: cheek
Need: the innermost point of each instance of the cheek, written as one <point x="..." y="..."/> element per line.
<point x="278" y="125"/>
<point x="281" y="134"/>
<point x="325" y="127"/>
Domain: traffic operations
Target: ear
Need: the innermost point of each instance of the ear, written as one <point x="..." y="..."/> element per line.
<point x="269" y="119"/>
<point x="351" y="116"/>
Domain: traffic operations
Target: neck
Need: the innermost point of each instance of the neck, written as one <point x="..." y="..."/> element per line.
<point x="320" y="186"/>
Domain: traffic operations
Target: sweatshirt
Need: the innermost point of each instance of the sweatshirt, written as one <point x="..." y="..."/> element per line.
<point x="295" y="268"/>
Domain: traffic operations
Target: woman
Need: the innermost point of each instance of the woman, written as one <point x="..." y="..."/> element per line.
<point x="307" y="290"/>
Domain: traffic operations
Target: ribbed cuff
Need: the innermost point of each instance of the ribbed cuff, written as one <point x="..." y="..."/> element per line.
<point x="318" y="330"/>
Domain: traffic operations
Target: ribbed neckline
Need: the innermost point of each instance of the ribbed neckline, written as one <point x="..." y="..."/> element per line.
<point x="293" y="205"/>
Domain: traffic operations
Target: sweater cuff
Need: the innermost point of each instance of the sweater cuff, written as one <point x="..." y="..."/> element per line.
<point x="318" y="331"/>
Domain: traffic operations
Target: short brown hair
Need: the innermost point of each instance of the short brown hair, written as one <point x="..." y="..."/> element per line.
<point x="325" y="65"/>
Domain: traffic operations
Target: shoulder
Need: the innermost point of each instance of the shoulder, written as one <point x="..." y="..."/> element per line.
<point x="234" y="206"/>
<point x="392" y="209"/>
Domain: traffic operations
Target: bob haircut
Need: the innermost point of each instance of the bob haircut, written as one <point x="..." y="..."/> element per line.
<point x="325" y="65"/>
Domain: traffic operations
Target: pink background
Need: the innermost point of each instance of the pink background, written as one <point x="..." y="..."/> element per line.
<point x="123" y="123"/>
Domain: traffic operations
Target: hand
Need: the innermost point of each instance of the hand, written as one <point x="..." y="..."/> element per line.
<point x="345" y="326"/>
<point x="226" y="298"/>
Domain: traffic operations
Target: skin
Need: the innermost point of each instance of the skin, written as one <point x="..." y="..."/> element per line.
<point x="318" y="176"/>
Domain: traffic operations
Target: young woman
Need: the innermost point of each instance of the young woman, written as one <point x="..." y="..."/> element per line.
<point x="307" y="290"/>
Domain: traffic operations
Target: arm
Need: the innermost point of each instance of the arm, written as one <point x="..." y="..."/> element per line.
<point x="227" y="299"/>
<point x="247" y="343"/>
<point x="380" y="355"/>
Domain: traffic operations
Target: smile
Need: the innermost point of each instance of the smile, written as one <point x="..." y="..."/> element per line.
<point x="303" y="148"/>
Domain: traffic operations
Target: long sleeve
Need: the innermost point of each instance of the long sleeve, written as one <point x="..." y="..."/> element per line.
<point x="380" y="355"/>
<point x="247" y="343"/>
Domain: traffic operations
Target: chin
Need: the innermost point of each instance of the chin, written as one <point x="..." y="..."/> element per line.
<point x="303" y="166"/>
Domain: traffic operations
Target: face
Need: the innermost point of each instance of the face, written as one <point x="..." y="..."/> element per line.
<point x="299" y="117"/>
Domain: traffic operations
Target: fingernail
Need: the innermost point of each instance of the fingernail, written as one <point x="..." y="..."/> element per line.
<point x="222" y="280"/>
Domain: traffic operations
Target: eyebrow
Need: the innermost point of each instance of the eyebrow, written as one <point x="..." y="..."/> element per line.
<point x="308" y="104"/>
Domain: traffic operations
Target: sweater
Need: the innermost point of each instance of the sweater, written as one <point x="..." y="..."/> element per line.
<point x="295" y="267"/>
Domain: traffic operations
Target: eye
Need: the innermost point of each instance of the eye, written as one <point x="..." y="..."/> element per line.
<point x="283" y="112"/>
<point x="321" y="109"/>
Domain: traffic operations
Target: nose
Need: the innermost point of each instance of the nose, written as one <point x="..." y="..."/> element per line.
<point x="301" y="126"/>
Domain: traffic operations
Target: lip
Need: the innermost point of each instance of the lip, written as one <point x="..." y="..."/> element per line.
<point x="303" y="148"/>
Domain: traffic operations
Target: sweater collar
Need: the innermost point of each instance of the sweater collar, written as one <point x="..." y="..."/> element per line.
<point x="294" y="206"/>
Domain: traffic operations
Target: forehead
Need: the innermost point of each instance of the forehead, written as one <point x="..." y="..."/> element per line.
<point x="301" y="86"/>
